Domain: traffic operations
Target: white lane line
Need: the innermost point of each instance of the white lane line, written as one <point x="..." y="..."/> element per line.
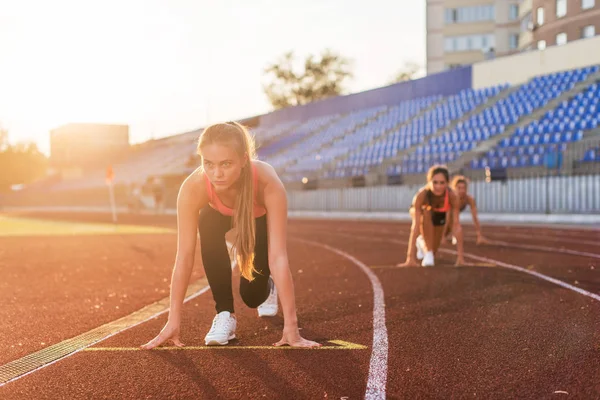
<point x="542" y="238"/>
<point x="503" y="244"/>
<point x="546" y="248"/>
<point x="534" y="273"/>
<point x="522" y="236"/>
<point x="376" y="384"/>
<point x="490" y="260"/>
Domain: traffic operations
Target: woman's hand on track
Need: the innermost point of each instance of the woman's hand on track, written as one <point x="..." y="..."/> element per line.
<point x="291" y="337"/>
<point x="409" y="263"/>
<point x="170" y="332"/>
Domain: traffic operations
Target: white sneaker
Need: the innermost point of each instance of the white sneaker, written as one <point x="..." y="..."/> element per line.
<point x="269" y="308"/>
<point x="428" y="260"/>
<point x="420" y="247"/>
<point x="222" y="330"/>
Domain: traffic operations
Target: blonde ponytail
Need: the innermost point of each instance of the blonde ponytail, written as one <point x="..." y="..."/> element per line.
<point x="245" y="227"/>
<point x="235" y="134"/>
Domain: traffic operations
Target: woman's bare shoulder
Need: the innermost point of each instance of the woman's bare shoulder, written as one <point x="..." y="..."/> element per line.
<point x="266" y="172"/>
<point x="421" y="192"/>
<point x="419" y="197"/>
<point x="454" y="199"/>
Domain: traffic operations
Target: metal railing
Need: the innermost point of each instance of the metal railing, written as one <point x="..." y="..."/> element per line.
<point x="542" y="194"/>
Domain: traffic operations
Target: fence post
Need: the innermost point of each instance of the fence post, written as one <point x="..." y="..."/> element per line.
<point x="547" y="193"/>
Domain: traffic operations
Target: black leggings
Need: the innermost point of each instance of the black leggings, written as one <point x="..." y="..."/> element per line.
<point x="212" y="227"/>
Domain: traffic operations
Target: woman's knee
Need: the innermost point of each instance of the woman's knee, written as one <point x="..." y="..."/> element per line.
<point x="253" y="300"/>
<point x="254" y="293"/>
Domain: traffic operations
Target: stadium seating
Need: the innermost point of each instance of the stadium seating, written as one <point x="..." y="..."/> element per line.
<point x="564" y="124"/>
<point x="492" y="121"/>
<point x="314" y="143"/>
<point x="309" y="162"/>
<point x="266" y="134"/>
<point x="305" y="129"/>
<point x="415" y="132"/>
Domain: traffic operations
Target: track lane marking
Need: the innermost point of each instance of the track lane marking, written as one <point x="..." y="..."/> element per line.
<point x="33" y="362"/>
<point x="377" y="381"/>
<point x="488" y="260"/>
<point x="340" y="345"/>
<point x="508" y="244"/>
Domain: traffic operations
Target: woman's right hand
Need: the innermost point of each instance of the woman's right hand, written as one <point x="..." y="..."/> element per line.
<point x="170" y="332"/>
<point x="410" y="262"/>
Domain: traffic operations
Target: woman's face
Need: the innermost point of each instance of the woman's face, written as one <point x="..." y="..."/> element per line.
<point x="461" y="189"/>
<point x="222" y="164"/>
<point x="438" y="184"/>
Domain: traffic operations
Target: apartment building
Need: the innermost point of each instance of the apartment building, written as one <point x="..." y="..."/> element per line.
<point x="463" y="32"/>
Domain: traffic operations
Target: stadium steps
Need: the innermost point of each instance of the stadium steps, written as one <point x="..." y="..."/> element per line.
<point x="360" y="125"/>
<point x="575" y="151"/>
<point x="490" y="102"/>
<point x="486" y="145"/>
<point x="332" y="165"/>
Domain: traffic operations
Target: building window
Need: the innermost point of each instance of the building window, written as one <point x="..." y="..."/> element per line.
<point x="588" y="31"/>
<point x="586" y="4"/>
<point x="450" y="15"/>
<point x="561" y="8"/>
<point x="541" y="45"/>
<point x="561" y="38"/>
<point x="513" y="41"/>
<point x="469" y="43"/>
<point x="469" y="14"/>
<point x="540" y="16"/>
<point x="513" y="12"/>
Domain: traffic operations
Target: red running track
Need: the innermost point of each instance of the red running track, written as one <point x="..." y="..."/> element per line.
<point x="452" y="332"/>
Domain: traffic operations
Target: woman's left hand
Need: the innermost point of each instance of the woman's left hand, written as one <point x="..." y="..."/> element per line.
<point x="482" y="240"/>
<point x="292" y="338"/>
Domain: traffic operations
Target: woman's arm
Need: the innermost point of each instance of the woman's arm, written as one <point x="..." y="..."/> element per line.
<point x="417" y="204"/>
<point x="474" y="214"/>
<point x="457" y="229"/>
<point x="191" y="198"/>
<point x="189" y="203"/>
<point x="275" y="199"/>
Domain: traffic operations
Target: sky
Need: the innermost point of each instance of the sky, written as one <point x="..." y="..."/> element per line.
<point x="169" y="66"/>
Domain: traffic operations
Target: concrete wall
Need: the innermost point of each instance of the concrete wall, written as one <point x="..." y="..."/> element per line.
<point x="519" y="68"/>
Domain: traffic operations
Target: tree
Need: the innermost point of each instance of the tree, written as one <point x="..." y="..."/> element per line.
<point x="410" y="71"/>
<point x="22" y="164"/>
<point x="321" y="77"/>
<point x="3" y="138"/>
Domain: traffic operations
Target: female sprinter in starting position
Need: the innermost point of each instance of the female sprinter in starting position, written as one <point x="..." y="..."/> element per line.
<point x="460" y="187"/>
<point x="233" y="189"/>
<point x="431" y="210"/>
